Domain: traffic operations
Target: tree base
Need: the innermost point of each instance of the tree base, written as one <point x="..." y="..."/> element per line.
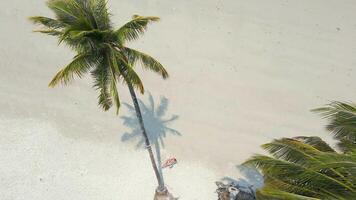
<point x="163" y="195"/>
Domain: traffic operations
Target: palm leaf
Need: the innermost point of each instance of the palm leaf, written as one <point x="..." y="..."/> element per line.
<point x="100" y="14"/>
<point x="335" y="161"/>
<point x="342" y="119"/>
<point x="51" y="32"/>
<point x="131" y="77"/>
<point x="127" y="72"/>
<point x="347" y="146"/>
<point x="66" y="11"/>
<point x="335" y="165"/>
<point x="331" y="157"/>
<point x="315" y="142"/>
<point x="271" y="182"/>
<point x="293" y="151"/>
<point x="134" y="28"/>
<point x="297" y="175"/>
<point x="145" y="60"/>
<point x="101" y="75"/>
<point x="114" y="69"/>
<point x="84" y="9"/>
<point x="47" y="22"/>
<point x="273" y="194"/>
<point x="80" y="65"/>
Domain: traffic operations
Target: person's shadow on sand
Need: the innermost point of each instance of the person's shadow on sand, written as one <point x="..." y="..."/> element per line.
<point x="156" y="123"/>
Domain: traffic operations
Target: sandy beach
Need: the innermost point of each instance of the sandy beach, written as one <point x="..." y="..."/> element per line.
<point x="241" y="74"/>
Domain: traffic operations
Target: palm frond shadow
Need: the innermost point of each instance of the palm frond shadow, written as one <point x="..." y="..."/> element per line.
<point x="156" y="122"/>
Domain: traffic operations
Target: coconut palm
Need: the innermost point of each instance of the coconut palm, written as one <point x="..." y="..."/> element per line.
<point x="307" y="167"/>
<point x="85" y="27"/>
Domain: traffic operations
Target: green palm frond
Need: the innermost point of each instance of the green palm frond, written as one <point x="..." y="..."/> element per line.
<point x="84" y="23"/>
<point x="293" y="151"/>
<point x="132" y="77"/>
<point x="115" y="95"/>
<point x="126" y="70"/>
<point x="294" y="174"/>
<point x="134" y="28"/>
<point x="95" y="33"/>
<point x="335" y="165"/>
<point x="102" y="77"/>
<point x="340" y="166"/>
<point x="80" y="65"/>
<point x="303" y="154"/>
<point x="347" y="146"/>
<point x="342" y="119"/>
<point x="273" y="194"/>
<point x="324" y="175"/>
<point x="47" y="22"/>
<point x="145" y="60"/>
<point x="115" y="74"/>
<point x="52" y="32"/>
<point x="330" y="157"/>
<point x="315" y="142"/>
<point x="66" y="11"/>
<point x="101" y="14"/>
<point x="271" y="182"/>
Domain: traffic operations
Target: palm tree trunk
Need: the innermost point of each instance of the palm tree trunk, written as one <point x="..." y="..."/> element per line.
<point x="161" y="186"/>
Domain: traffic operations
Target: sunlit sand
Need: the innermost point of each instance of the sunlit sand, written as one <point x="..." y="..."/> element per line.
<point x="242" y="73"/>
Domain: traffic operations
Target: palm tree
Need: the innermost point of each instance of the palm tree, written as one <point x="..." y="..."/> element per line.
<point x="85" y="27"/>
<point x="307" y="167"/>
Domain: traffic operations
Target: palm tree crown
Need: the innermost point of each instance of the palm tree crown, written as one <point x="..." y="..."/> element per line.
<point x="85" y="26"/>
<point x="304" y="168"/>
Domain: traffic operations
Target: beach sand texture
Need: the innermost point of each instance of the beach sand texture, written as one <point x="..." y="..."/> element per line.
<point x="242" y="73"/>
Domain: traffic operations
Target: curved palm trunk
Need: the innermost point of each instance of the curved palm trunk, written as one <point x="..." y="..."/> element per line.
<point x="161" y="186"/>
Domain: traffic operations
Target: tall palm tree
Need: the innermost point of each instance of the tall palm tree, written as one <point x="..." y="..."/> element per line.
<point x="307" y="167"/>
<point x="85" y="27"/>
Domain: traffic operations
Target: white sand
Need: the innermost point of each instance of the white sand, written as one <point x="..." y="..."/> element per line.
<point x="242" y="73"/>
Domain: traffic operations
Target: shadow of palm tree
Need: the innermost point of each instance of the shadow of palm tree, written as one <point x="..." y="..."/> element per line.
<point x="156" y="123"/>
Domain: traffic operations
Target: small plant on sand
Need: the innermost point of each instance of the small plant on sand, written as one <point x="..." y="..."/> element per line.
<point x="304" y="168"/>
<point x="85" y="27"/>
